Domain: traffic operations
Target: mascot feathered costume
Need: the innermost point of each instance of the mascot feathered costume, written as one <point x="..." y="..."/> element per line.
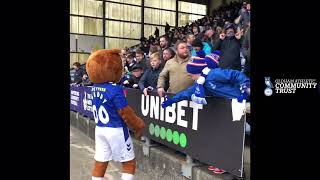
<point x="112" y="114"/>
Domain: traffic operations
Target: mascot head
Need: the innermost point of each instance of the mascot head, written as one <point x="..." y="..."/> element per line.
<point x="104" y="66"/>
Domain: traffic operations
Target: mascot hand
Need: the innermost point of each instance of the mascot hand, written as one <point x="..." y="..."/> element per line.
<point x="138" y="131"/>
<point x="198" y="100"/>
<point x="133" y="122"/>
<point x="199" y="91"/>
<point x="242" y="97"/>
<point x="245" y="92"/>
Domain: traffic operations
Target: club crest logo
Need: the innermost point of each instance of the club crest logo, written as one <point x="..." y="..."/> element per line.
<point x="268" y="91"/>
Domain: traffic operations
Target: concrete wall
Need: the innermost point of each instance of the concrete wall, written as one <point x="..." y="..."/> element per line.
<point x="162" y="164"/>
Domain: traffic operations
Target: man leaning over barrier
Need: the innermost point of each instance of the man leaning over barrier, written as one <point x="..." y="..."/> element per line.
<point x="212" y="81"/>
<point x="216" y="82"/>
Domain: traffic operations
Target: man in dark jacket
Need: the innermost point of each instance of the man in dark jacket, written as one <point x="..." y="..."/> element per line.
<point x="141" y="59"/>
<point x="79" y="72"/>
<point x="167" y="28"/>
<point x="215" y="37"/>
<point x="245" y="16"/>
<point x="229" y="45"/>
<point x="164" y="43"/>
<point x="156" y="32"/>
<point x="168" y="54"/>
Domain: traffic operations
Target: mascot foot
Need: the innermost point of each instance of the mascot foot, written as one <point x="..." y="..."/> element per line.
<point x="97" y="178"/>
<point x="126" y="176"/>
<point x="128" y="170"/>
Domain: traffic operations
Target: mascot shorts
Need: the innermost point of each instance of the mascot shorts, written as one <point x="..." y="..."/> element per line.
<point x="113" y="144"/>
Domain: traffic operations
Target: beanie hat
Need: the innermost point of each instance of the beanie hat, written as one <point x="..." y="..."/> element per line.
<point x="217" y="52"/>
<point x="136" y="66"/>
<point x="212" y="60"/>
<point x="197" y="64"/>
<point x="230" y="25"/>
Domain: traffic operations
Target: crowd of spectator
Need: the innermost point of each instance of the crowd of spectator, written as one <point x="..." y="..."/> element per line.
<point x="228" y="30"/>
<point x="158" y="63"/>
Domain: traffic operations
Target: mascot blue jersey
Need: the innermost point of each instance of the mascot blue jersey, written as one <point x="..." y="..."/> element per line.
<point x="107" y="99"/>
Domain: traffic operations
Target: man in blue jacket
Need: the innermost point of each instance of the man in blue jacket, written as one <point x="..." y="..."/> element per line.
<point x="219" y="82"/>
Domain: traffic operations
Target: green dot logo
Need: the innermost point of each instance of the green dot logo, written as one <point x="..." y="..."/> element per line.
<point x="156" y="131"/>
<point x="169" y="135"/>
<point x="176" y="137"/>
<point x="163" y="133"/>
<point x="183" y="140"/>
<point x="151" y="128"/>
